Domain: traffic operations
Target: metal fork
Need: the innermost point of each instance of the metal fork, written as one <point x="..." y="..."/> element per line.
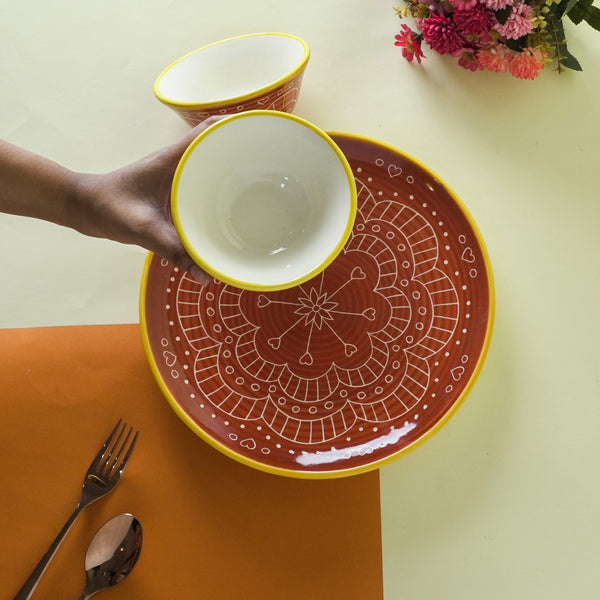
<point x="101" y="478"/>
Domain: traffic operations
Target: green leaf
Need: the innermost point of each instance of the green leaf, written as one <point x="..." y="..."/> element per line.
<point x="569" y="61"/>
<point x="503" y="14"/>
<point x="517" y="45"/>
<point x="570" y="5"/>
<point x="560" y="8"/>
<point x="562" y="55"/>
<point x="584" y="11"/>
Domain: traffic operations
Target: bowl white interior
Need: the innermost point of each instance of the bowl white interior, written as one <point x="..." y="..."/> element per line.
<point x="230" y="69"/>
<point x="262" y="199"/>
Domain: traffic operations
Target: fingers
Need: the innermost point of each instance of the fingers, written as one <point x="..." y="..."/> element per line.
<point x="161" y="236"/>
<point x="162" y="239"/>
<point x="171" y="247"/>
<point x="202" y="277"/>
<point x="180" y="258"/>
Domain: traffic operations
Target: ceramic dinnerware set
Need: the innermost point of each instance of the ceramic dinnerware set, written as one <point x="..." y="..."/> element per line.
<point x="351" y="304"/>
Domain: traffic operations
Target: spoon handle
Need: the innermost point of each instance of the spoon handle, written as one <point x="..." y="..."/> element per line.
<point x="29" y="586"/>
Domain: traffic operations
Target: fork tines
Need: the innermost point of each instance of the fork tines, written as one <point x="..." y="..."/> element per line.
<point x="111" y="458"/>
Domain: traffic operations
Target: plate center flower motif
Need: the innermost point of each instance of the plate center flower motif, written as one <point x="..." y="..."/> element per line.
<point x="322" y="325"/>
<point x="315" y="308"/>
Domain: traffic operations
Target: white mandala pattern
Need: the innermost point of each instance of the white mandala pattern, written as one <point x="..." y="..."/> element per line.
<point x="350" y="369"/>
<point x="309" y="363"/>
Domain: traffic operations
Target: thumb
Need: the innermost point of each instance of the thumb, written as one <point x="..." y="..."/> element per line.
<point x="180" y="146"/>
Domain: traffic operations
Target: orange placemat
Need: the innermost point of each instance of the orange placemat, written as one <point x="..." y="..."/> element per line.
<point x="214" y="529"/>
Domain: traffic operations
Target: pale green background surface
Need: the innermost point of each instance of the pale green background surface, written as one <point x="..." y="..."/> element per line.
<point x="504" y="501"/>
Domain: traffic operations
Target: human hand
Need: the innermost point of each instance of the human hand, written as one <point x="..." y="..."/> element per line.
<point x="132" y="204"/>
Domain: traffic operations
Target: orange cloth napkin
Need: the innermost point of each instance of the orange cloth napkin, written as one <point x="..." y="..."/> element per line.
<point x="213" y="528"/>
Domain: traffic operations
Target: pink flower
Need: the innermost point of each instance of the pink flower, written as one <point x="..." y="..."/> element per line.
<point x="494" y="58"/>
<point x="527" y="64"/>
<point x="442" y="34"/>
<point x="497" y="4"/>
<point x="518" y="23"/>
<point x="410" y="44"/>
<point x="468" y="60"/>
<point x="474" y="21"/>
<point x="463" y="4"/>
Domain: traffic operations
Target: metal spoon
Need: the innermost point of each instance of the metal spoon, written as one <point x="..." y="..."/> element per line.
<point x="112" y="553"/>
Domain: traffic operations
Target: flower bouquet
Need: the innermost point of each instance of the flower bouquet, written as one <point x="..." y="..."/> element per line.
<point x="516" y="36"/>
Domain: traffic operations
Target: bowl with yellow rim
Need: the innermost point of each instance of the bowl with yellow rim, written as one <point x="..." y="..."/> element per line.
<point x="263" y="200"/>
<point x="248" y="72"/>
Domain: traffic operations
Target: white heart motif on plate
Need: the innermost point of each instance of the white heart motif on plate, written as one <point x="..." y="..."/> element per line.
<point x="394" y="170"/>
<point x="457" y="373"/>
<point x="468" y="255"/>
<point x="170" y="358"/>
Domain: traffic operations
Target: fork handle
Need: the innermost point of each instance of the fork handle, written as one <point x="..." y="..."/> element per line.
<point x="28" y="588"/>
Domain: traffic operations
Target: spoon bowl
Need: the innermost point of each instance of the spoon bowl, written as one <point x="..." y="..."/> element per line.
<point x="112" y="553"/>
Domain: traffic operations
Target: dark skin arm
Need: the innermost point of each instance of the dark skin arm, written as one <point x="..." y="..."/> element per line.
<point x="129" y="205"/>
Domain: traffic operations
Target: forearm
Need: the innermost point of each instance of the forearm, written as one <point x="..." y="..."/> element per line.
<point x="129" y="205"/>
<point x="33" y="186"/>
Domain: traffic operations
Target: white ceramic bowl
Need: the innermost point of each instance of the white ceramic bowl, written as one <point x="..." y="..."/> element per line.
<point x="263" y="200"/>
<point x="255" y="71"/>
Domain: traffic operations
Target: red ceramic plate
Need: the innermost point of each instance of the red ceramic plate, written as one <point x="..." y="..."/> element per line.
<point x="351" y="369"/>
